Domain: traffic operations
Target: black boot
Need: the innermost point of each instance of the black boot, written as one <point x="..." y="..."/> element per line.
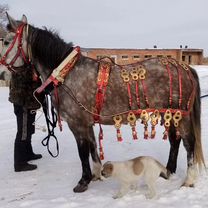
<point x="20" y="157"/>
<point x="30" y="154"/>
<point x="24" y="166"/>
<point x="34" y="157"/>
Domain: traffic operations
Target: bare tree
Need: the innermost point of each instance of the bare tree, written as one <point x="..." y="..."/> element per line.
<point x="3" y="9"/>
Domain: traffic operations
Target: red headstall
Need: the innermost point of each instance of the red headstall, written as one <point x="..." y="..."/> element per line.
<point x="20" y="51"/>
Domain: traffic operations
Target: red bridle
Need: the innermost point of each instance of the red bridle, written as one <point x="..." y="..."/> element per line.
<point x="20" y="51"/>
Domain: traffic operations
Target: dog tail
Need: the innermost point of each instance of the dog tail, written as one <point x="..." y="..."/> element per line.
<point x="164" y="171"/>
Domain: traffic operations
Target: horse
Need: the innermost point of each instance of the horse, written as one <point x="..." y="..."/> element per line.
<point x="110" y="94"/>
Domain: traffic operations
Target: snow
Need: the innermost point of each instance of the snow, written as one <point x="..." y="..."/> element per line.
<point x="51" y="185"/>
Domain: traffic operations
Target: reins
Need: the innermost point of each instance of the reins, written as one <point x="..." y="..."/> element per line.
<point x="203" y="96"/>
<point x="51" y="121"/>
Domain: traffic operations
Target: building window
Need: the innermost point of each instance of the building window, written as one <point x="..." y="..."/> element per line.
<point x="183" y="58"/>
<point x="189" y="59"/>
<point x="124" y="57"/>
<point x="159" y="56"/>
<point x="136" y="57"/>
<point x="169" y="56"/>
<point x="147" y="56"/>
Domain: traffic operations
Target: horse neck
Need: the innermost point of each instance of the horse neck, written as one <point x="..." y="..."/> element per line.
<point x="42" y="70"/>
<point x="47" y="50"/>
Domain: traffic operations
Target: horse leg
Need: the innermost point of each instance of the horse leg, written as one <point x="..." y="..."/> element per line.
<point x="174" y="147"/>
<point x="189" y="143"/>
<point x="83" y="145"/>
<point x="96" y="172"/>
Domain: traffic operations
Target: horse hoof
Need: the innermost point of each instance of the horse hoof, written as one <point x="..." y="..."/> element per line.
<point x="80" y="188"/>
<point x="168" y="174"/>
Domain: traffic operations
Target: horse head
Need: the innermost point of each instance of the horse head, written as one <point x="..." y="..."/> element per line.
<point x="25" y="44"/>
<point x="14" y="51"/>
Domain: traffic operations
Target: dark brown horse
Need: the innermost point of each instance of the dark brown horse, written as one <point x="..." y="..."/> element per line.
<point x="160" y="87"/>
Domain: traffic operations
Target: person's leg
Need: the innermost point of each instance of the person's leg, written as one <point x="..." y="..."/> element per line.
<point x="31" y="130"/>
<point x="20" y="144"/>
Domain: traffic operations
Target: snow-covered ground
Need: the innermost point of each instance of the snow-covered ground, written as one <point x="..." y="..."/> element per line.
<point x="52" y="183"/>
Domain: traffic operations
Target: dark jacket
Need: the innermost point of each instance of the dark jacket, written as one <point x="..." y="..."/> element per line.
<point x="22" y="86"/>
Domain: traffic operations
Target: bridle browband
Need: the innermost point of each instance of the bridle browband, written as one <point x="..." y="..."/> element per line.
<point x="20" y="52"/>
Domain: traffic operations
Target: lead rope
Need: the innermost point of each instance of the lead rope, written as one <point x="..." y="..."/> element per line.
<point x="51" y="122"/>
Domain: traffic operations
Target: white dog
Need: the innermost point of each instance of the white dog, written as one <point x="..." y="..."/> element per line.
<point x="130" y="171"/>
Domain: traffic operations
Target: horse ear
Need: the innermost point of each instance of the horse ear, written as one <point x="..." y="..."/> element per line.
<point x="12" y="23"/>
<point x="24" y="19"/>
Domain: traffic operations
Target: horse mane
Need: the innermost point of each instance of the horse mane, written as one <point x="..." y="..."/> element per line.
<point x="47" y="47"/>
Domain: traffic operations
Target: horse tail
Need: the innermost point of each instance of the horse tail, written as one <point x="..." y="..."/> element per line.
<point x="196" y="124"/>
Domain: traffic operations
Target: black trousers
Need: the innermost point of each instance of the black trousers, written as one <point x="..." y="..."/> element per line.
<point x="25" y="128"/>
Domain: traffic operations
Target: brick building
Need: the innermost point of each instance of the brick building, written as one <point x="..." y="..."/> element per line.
<point x="126" y="56"/>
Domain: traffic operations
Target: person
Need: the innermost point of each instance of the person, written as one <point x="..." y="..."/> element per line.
<point x="22" y="85"/>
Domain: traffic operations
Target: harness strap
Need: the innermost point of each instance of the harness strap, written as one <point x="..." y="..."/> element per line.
<point x="170" y="85"/>
<point x="129" y="95"/>
<point x="180" y="87"/>
<point x="102" y="82"/>
<point x="137" y="93"/>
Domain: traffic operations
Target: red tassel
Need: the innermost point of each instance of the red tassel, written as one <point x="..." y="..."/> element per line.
<point x="119" y="137"/>
<point x="57" y="104"/>
<point x="101" y="154"/>
<point x="153" y="132"/>
<point x="145" y="132"/>
<point x="100" y="143"/>
<point x="101" y="149"/>
<point x="101" y="134"/>
<point x="165" y="134"/>
<point x="134" y="133"/>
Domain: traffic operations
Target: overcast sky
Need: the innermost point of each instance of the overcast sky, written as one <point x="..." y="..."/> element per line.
<point x="120" y="23"/>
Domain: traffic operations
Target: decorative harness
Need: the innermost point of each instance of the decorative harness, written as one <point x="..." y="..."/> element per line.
<point x="136" y="76"/>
